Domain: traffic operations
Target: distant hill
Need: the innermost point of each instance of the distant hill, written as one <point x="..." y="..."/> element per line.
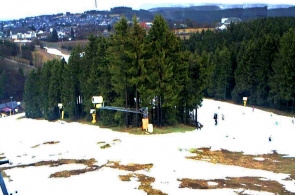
<point x="210" y="13"/>
<point x="213" y="13"/>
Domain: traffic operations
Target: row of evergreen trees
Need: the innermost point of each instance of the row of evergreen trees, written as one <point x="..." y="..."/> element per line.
<point x="130" y="69"/>
<point x="254" y="59"/>
<point x="136" y="69"/>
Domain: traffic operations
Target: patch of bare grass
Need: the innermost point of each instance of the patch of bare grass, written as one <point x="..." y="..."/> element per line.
<point x="105" y="146"/>
<point x="247" y="183"/>
<point x="130" y="167"/>
<point x="145" y="183"/>
<point x="89" y="166"/>
<point x="52" y="142"/>
<point x="66" y="174"/>
<point x="270" y="162"/>
<point x="36" y="146"/>
<point x="46" y="143"/>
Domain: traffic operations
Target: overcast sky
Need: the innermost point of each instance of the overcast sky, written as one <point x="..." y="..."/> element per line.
<point x="15" y="9"/>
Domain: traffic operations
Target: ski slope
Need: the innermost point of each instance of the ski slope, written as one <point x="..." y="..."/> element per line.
<point x="242" y="130"/>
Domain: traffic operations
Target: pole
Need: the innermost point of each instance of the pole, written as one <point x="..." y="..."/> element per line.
<point x="11" y="104"/>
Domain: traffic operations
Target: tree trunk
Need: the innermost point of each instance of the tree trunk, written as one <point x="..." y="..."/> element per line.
<point x="158" y="111"/>
<point x="293" y="106"/>
<point x="161" y="112"/>
<point x="137" y="99"/>
<point x="126" y="105"/>
<point x="152" y="115"/>
<point x="287" y="105"/>
<point x="196" y="115"/>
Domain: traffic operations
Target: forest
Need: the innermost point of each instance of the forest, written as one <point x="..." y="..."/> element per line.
<point x="135" y="69"/>
<point x="12" y="77"/>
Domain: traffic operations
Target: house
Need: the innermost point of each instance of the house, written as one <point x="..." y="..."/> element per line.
<point x="220" y="26"/>
<point x="10" y="106"/>
<point x="227" y="21"/>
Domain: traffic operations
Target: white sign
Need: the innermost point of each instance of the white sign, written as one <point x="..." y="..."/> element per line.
<point x="97" y="99"/>
<point x="245" y="98"/>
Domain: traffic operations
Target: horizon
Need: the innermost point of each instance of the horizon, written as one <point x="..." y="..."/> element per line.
<point x="76" y="7"/>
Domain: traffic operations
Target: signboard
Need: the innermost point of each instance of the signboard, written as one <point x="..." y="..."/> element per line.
<point x="245" y="98"/>
<point x="97" y="99"/>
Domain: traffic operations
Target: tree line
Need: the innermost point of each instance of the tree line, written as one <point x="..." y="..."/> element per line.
<point x="135" y="69"/>
<point x="253" y="59"/>
<point x="130" y="69"/>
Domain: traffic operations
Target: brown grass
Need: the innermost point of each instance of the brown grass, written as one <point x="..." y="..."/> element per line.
<point x="89" y="163"/>
<point x="36" y="146"/>
<point x="247" y="183"/>
<point x="130" y="167"/>
<point x="105" y="146"/>
<point x="52" y="142"/>
<point x="145" y="183"/>
<point x="272" y="162"/>
<point x="46" y="143"/>
<point x="1" y="156"/>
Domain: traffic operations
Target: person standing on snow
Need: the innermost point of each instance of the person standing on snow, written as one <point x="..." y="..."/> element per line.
<point x="253" y="109"/>
<point x="215" y="118"/>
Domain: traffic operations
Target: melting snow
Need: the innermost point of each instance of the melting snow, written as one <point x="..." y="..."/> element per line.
<point x="242" y="130"/>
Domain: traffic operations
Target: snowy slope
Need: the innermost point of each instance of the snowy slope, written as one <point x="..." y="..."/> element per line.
<point x="242" y="130"/>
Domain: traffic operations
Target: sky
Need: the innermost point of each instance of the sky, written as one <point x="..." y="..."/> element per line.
<point x="15" y="9"/>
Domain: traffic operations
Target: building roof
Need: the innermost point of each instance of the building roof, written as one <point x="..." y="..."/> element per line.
<point x="10" y="105"/>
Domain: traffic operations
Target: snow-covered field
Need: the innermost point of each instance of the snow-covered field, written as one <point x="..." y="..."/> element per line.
<point x="57" y="52"/>
<point x="242" y="130"/>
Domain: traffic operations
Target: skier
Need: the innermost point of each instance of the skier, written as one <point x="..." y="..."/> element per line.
<point x="215" y="118"/>
<point x="222" y="116"/>
<point x="253" y="109"/>
<point x="293" y="120"/>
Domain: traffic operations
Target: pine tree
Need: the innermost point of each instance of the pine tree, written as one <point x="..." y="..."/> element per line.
<point x="135" y="53"/>
<point x="31" y="95"/>
<point x="119" y="66"/>
<point x="282" y="81"/>
<point x="55" y="87"/>
<point x="46" y="74"/>
<point x="71" y="92"/>
<point x="163" y="52"/>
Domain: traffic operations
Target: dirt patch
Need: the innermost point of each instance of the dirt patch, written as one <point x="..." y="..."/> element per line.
<point x="145" y="183"/>
<point x="130" y="167"/>
<point x="105" y="146"/>
<point x="36" y="146"/>
<point x="274" y="162"/>
<point x="89" y="163"/>
<point x="2" y="156"/>
<point x="101" y="142"/>
<point x="4" y="175"/>
<point x="74" y="172"/>
<point x="19" y="118"/>
<point x="46" y="143"/>
<point x="52" y="142"/>
<point x="116" y="140"/>
<point x="247" y="183"/>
